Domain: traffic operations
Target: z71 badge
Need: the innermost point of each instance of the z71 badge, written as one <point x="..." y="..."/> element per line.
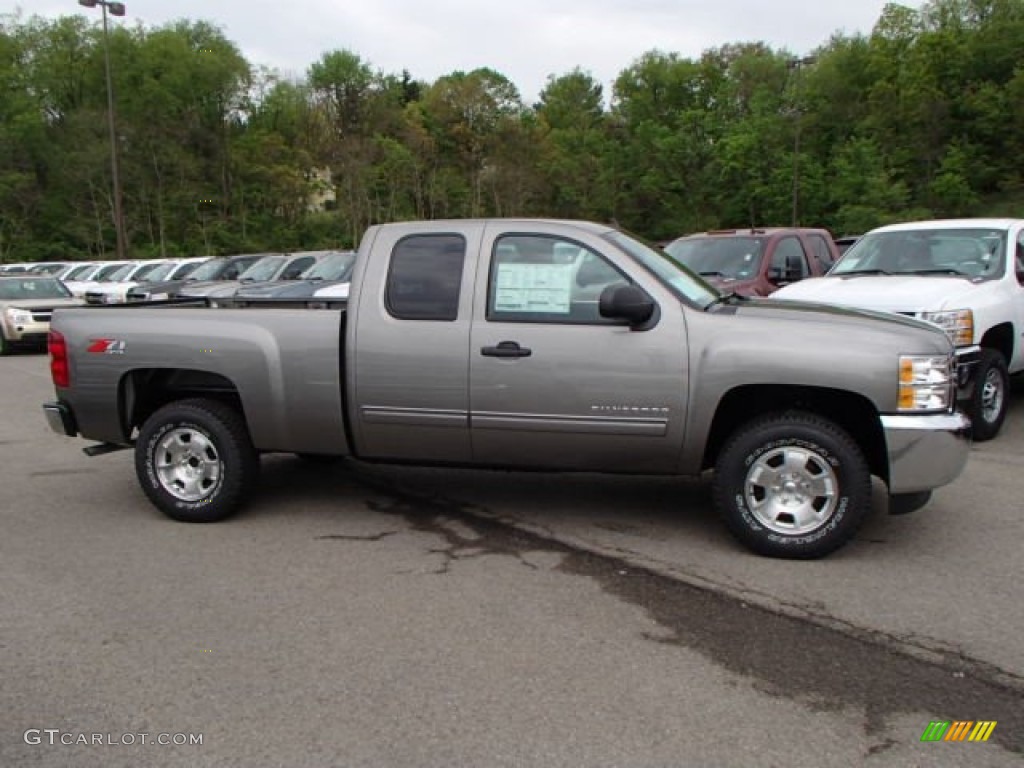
<point x="106" y="347"/>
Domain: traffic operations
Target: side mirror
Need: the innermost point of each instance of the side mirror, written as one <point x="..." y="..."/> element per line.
<point x="781" y="276"/>
<point x="626" y="302"/>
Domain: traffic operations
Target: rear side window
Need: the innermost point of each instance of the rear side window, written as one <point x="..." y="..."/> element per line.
<point x="425" y="277"/>
<point x="821" y="250"/>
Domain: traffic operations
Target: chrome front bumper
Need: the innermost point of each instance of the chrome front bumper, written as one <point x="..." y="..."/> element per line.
<point x="967" y="359"/>
<point x="926" y="451"/>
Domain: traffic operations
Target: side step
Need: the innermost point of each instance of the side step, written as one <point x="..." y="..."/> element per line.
<point x="102" y="449"/>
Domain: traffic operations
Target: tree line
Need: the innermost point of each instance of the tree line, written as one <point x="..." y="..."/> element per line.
<point x="921" y="117"/>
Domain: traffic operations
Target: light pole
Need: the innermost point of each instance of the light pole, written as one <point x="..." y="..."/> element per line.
<point x="116" y="9"/>
<point x="795" y="66"/>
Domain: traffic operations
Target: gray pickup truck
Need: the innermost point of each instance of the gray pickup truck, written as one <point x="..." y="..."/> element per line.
<point x="531" y="344"/>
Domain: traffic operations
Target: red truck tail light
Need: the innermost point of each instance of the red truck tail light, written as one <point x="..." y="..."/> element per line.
<point x="60" y="370"/>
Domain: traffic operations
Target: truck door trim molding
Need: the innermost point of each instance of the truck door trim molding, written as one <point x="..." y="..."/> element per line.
<point x="542" y="422"/>
<point x="417" y="417"/>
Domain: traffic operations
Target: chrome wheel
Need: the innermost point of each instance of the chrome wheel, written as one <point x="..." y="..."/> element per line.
<point x="992" y="395"/>
<point x="187" y="464"/>
<point x="791" y="490"/>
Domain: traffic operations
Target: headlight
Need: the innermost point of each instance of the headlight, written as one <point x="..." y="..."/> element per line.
<point x="926" y="383"/>
<point x="19" y="316"/>
<point x="958" y="325"/>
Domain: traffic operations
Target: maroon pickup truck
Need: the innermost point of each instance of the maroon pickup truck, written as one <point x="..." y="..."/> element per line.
<point x="756" y="262"/>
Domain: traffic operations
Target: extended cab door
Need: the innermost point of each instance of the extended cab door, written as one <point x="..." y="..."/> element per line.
<point x="408" y="356"/>
<point x="555" y="385"/>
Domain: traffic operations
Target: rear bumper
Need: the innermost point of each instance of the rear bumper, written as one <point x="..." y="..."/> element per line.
<point x="60" y="418"/>
<point x="927" y="451"/>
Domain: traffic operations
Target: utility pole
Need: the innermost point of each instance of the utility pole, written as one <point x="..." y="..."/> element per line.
<point x="116" y="9"/>
<point x="796" y="66"/>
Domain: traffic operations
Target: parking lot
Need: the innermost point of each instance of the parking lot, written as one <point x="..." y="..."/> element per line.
<point x="368" y="615"/>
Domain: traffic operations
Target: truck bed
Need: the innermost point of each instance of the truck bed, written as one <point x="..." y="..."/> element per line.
<point x="283" y="366"/>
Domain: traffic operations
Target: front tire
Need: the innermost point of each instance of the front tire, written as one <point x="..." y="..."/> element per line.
<point x="990" y="399"/>
<point x="792" y="485"/>
<point x="195" y="460"/>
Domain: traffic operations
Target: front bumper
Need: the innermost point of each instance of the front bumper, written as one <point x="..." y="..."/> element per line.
<point x="60" y="418"/>
<point x="26" y="333"/>
<point x="926" y="451"/>
<point x="966" y="359"/>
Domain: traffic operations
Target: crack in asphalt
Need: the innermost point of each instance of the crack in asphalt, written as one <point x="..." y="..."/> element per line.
<point x="826" y="668"/>
<point x="373" y="537"/>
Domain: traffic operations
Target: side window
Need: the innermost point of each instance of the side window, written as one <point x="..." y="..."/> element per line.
<point x="821" y="250"/>
<point x="297" y="267"/>
<point x="425" y="277"/>
<point x="1019" y="266"/>
<point x="544" y="279"/>
<point x="789" y="260"/>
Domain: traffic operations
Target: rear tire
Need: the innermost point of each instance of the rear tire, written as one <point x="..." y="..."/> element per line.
<point x="792" y="485"/>
<point x="195" y="460"/>
<point x="990" y="399"/>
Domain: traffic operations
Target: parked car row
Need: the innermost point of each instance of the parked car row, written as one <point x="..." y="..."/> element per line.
<point x="29" y="292"/>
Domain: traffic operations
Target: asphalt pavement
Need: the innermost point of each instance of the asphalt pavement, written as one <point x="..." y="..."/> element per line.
<point x="359" y="615"/>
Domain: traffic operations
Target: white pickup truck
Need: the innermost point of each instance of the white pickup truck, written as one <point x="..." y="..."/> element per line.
<point x="964" y="275"/>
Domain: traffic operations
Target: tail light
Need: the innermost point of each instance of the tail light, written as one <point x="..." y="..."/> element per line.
<point x="60" y="370"/>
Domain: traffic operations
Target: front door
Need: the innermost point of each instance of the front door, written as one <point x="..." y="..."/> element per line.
<point x="555" y="385"/>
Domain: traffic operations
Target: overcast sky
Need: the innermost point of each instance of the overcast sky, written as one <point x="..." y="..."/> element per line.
<point x="525" y="40"/>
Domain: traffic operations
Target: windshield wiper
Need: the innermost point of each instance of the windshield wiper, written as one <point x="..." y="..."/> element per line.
<point x="862" y="272"/>
<point x="711" y="274"/>
<point x="725" y="298"/>
<point x="938" y="271"/>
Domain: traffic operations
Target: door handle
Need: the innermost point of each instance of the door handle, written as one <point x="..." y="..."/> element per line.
<point x="506" y="349"/>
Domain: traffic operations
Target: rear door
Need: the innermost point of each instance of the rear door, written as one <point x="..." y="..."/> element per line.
<point x="409" y="357"/>
<point x="555" y="385"/>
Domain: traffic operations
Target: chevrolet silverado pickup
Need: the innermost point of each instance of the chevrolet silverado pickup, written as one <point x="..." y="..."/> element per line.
<point x="526" y="344"/>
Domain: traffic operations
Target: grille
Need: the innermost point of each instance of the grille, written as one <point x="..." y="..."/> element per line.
<point x="41" y="315"/>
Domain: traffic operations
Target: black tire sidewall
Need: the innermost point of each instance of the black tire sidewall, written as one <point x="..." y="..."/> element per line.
<point x="986" y="430"/>
<point x="226" y="494"/>
<point x="842" y="456"/>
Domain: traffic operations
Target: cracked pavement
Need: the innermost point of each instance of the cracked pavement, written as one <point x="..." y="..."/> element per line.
<point x="364" y="615"/>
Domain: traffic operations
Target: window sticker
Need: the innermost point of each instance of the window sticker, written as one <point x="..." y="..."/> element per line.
<point x="541" y="288"/>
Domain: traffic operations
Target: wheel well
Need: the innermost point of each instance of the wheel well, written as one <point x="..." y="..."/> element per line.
<point x="143" y="391"/>
<point x="1000" y="338"/>
<point x="854" y="413"/>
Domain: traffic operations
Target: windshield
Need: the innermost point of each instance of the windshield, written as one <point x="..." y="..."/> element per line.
<point x="679" y="280"/>
<point x="155" y="273"/>
<point x="78" y="272"/>
<point x="184" y="270"/>
<point x="209" y="270"/>
<point x="337" y="266"/>
<point x="32" y="288"/>
<point x="116" y="273"/>
<point x="976" y="253"/>
<point x="144" y="272"/>
<point x="733" y="258"/>
<point x="262" y="270"/>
